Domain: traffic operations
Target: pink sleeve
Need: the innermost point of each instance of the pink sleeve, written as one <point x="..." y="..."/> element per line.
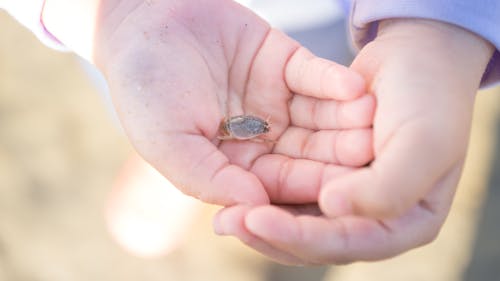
<point x="28" y="13"/>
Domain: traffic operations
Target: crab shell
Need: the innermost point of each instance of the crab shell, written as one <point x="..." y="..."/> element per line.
<point x="243" y="127"/>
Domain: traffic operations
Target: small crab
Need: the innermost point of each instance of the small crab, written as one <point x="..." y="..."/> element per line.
<point x="243" y="127"/>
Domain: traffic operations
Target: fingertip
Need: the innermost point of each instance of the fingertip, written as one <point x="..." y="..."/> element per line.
<point x="257" y="221"/>
<point x="355" y="148"/>
<point x="358" y="113"/>
<point x="339" y="197"/>
<point x="334" y="203"/>
<point x="270" y="223"/>
<point x="218" y="223"/>
<point x="230" y="220"/>
<point x="350" y="85"/>
<point x="342" y="83"/>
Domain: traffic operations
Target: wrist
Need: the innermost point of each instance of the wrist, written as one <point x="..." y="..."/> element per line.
<point x="449" y="44"/>
<point x="418" y="28"/>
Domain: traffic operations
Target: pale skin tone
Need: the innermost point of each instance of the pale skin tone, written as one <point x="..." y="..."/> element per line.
<point x="425" y="75"/>
<point x="177" y="68"/>
<point x="193" y="63"/>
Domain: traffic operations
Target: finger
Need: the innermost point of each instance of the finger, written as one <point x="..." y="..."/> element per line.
<point x="319" y="240"/>
<point x="198" y="168"/>
<point x="314" y="114"/>
<point x="291" y="181"/>
<point x="231" y="221"/>
<point x="266" y="93"/>
<point x="347" y="147"/>
<point x="404" y="172"/>
<point x="309" y="75"/>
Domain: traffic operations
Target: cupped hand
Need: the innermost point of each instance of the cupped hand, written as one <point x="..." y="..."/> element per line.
<point x="176" y="69"/>
<point x="424" y="75"/>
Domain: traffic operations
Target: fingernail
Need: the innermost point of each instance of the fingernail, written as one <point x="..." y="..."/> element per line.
<point x="335" y="204"/>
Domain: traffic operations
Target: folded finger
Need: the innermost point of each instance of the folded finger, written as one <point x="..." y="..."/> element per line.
<point x="319" y="240"/>
<point x="317" y="114"/>
<point x="309" y="75"/>
<point x="290" y="181"/>
<point x="342" y="147"/>
<point x="231" y="221"/>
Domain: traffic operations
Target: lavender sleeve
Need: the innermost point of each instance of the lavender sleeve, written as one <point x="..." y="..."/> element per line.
<point x="479" y="16"/>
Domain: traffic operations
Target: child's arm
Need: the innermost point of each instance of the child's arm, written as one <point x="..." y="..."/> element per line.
<point x="478" y="16"/>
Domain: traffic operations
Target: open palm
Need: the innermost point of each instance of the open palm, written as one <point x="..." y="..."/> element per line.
<point x="192" y="64"/>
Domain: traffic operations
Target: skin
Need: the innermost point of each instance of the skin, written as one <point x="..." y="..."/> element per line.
<point x="198" y="61"/>
<point x="172" y="88"/>
<point x="176" y="68"/>
<point x="425" y="75"/>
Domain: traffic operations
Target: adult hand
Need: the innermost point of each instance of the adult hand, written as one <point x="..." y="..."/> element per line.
<point x="424" y="75"/>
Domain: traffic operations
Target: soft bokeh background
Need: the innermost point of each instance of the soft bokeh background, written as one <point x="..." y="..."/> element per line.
<point x="60" y="152"/>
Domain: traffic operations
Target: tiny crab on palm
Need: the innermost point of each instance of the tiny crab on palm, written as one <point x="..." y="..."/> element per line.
<point x="244" y="127"/>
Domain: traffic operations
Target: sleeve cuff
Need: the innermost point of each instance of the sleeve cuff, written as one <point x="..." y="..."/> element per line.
<point x="480" y="17"/>
<point x="30" y="15"/>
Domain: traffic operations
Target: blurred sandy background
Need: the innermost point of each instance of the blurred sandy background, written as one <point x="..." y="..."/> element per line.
<point x="59" y="154"/>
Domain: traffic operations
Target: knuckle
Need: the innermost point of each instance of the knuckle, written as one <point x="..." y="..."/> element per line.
<point x="283" y="175"/>
<point x="315" y="114"/>
<point x="396" y="205"/>
<point x="386" y="205"/>
<point x="308" y="145"/>
<point x="387" y="198"/>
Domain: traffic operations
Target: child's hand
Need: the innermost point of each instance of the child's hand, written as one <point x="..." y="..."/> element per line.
<point x="177" y="68"/>
<point x="425" y="75"/>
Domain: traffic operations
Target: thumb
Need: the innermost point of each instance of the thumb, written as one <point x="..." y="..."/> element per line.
<point x="414" y="159"/>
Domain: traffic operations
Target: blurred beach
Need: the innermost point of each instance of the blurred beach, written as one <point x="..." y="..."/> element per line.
<point x="60" y="152"/>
